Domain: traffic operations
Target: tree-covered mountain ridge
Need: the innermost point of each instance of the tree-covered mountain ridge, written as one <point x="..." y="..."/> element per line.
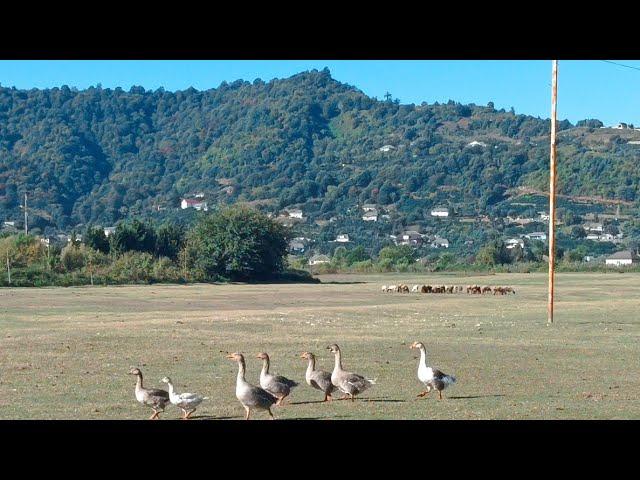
<point x="98" y="155"/>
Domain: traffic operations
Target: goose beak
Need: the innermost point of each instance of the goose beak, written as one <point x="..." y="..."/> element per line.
<point x="230" y="356"/>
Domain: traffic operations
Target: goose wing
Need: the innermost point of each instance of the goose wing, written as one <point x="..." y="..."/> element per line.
<point x="285" y="381"/>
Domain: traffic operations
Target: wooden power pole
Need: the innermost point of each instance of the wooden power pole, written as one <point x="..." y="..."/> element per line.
<point x="26" y="225"/>
<point x="552" y="188"/>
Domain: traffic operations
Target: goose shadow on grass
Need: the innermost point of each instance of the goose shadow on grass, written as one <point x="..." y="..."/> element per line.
<point x="474" y="396"/>
<point x="211" y="417"/>
<point x="358" y="399"/>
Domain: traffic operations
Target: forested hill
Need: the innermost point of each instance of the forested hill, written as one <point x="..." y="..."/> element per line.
<point x="100" y="155"/>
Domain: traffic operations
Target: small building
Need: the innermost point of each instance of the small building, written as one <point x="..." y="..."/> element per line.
<point x="368" y="207"/>
<point x="318" y="259"/>
<point x="342" y="238"/>
<point x="193" y="203"/>
<point x="536" y="236"/>
<point x="296" y="246"/>
<point x="108" y="231"/>
<point x="440" y="212"/>
<point x="387" y="148"/>
<point x="294" y="212"/>
<point x="543" y="216"/>
<point x="410" y="237"/>
<point x="593" y="227"/>
<point x="593" y="236"/>
<point x="475" y="143"/>
<point x="439" y="242"/>
<point x="371" y="216"/>
<point x="620" y="259"/>
<point x="514" y="242"/>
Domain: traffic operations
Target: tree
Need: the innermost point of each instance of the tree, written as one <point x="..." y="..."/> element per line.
<point x="238" y="243"/>
<point x="578" y="232"/>
<point x="95" y="238"/>
<point x="398" y="254"/>
<point x="169" y="240"/>
<point x="133" y="236"/>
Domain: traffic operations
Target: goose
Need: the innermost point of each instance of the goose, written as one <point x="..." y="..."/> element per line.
<point x="276" y="385"/>
<point x="318" y="379"/>
<point x="351" y="384"/>
<point x="431" y="377"/>
<point x="155" y="398"/>
<point x="251" y="397"/>
<point x="187" y="402"/>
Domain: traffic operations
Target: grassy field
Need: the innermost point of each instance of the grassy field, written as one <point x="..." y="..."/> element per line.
<point x="65" y="352"/>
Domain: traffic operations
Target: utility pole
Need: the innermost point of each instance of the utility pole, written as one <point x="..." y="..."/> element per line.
<point x="8" y="267"/>
<point x="26" y="226"/>
<point x="552" y="188"/>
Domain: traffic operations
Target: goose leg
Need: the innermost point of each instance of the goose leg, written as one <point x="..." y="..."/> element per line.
<point x="155" y="415"/>
<point x="325" y="398"/>
<point x="352" y="397"/>
<point x="271" y="414"/>
<point x="423" y="393"/>
<point x="440" y="393"/>
<point x="248" y="412"/>
<point x="189" y="413"/>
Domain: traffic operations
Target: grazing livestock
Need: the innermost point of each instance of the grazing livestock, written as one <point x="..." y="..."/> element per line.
<point x="426" y="289"/>
<point x="415" y="288"/>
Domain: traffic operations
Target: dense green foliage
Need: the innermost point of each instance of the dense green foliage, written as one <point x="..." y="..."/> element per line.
<point x="235" y="243"/>
<point x="99" y="156"/>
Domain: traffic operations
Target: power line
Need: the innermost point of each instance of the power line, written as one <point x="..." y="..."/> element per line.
<point x="620" y="64"/>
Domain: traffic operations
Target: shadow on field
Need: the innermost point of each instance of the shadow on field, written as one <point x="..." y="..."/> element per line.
<point x="476" y="396"/>
<point x="378" y="400"/>
<point x="334" y="282"/>
<point x="211" y="417"/>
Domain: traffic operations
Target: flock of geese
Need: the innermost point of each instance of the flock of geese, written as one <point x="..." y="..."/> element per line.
<point x="274" y="389"/>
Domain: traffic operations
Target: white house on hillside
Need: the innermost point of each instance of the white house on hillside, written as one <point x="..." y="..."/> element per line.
<point x="108" y="231"/>
<point x="514" y="242"/>
<point x="387" y="148"/>
<point x="440" y="242"/>
<point x="342" y="238"/>
<point x="318" y="259"/>
<point x="193" y="203"/>
<point x="619" y="259"/>
<point x="440" y="212"/>
<point x="370" y="216"/>
<point x="536" y="236"/>
<point x="294" y="212"/>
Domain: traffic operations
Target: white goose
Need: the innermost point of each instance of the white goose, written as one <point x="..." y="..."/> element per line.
<point x="431" y="377"/>
<point x="187" y="402"/>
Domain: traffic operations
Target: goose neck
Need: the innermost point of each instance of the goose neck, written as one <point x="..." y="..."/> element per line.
<point x="338" y="362"/>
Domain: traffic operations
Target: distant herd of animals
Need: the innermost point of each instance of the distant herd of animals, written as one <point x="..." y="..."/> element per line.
<point x="274" y="389"/>
<point x="470" y="289"/>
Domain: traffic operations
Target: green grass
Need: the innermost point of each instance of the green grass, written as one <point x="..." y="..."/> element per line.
<point x="65" y="352"/>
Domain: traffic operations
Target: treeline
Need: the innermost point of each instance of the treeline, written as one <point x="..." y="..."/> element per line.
<point x="232" y="244"/>
<point x="492" y="257"/>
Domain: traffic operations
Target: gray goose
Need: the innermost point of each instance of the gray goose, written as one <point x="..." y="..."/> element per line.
<point x="276" y="385"/>
<point x="250" y="396"/>
<point x="431" y="377"/>
<point x="318" y="379"/>
<point x="155" y="398"/>
<point x="351" y="384"/>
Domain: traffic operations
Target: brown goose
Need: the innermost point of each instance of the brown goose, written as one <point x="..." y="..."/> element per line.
<point x="351" y="384"/>
<point x="431" y="377"/>
<point x="155" y="398"/>
<point x="276" y="385"/>
<point x="250" y="396"/>
<point x="318" y="379"/>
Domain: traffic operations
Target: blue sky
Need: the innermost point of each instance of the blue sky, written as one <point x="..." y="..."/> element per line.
<point x="586" y="89"/>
